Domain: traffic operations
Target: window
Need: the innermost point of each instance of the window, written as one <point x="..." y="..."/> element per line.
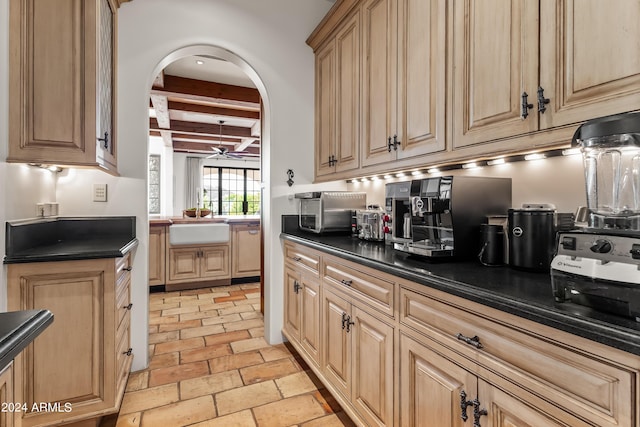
<point x="231" y="191"/>
<point x="154" y="184"/>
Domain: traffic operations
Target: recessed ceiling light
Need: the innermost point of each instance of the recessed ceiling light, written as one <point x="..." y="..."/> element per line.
<point x="199" y="62"/>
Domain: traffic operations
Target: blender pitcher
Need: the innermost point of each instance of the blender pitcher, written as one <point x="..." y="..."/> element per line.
<point x="611" y="152"/>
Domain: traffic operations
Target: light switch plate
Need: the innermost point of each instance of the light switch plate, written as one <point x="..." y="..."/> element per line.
<point x="99" y="192"/>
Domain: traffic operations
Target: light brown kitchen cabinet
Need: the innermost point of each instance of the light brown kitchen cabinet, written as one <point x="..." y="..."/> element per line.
<point x="359" y="357"/>
<point x="302" y="311"/>
<point x="63" y="83"/>
<point x="84" y="357"/>
<point x="337" y="105"/>
<point x="526" y="66"/>
<point x="6" y="396"/>
<point x="524" y="377"/>
<point x="245" y="250"/>
<point x="198" y="263"/>
<point x="404" y="79"/>
<point x="157" y="254"/>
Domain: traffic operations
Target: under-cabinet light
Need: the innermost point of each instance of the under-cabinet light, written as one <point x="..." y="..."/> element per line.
<point x="535" y="156"/>
<point x="494" y="162"/>
<point x="199" y="62"/>
<point x="470" y="165"/>
<point x="433" y="170"/>
<point x="571" y="151"/>
<point x="387" y="177"/>
<point x="416" y="173"/>
<point x="400" y="175"/>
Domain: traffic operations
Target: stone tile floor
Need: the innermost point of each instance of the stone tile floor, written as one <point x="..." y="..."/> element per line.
<point x="211" y="366"/>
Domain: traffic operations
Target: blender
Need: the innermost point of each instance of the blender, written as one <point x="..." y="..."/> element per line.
<point x="599" y="266"/>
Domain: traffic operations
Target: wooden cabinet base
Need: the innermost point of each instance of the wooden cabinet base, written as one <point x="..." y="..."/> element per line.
<point x="170" y="287"/>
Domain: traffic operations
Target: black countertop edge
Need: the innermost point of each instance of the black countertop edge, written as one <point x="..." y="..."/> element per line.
<point x="598" y="330"/>
<point x="18" y="329"/>
<point x="90" y="251"/>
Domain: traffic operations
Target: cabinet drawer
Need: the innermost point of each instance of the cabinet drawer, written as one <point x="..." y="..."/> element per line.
<point x="583" y="383"/>
<point x="122" y="306"/>
<point x="303" y="257"/>
<point x="367" y="283"/>
<point x="123" y="344"/>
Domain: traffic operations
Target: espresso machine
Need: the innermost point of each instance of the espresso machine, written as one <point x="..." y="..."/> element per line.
<point x="446" y="213"/>
<point x="398" y="209"/>
<point x="599" y="266"/>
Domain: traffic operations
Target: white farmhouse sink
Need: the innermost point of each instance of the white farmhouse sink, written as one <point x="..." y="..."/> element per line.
<point x="198" y="234"/>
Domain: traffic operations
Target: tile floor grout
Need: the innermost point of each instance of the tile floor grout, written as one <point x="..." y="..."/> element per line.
<point x="210" y="366"/>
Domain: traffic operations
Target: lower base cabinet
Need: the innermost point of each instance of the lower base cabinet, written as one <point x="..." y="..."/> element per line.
<point x="394" y="352"/>
<point x="6" y="396"/>
<point x="80" y="365"/>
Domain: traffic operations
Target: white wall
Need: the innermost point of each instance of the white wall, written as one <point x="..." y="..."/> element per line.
<point x="270" y="37"/>
<point x="556" y="180"/>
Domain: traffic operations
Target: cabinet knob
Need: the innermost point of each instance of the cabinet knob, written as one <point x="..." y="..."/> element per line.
<point x="542" y="101"/>
<point x="525" y="105"/>
<point x="105" y="140"/>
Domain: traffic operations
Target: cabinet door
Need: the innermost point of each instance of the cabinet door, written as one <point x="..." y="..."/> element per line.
<point x="6" y="396"/>
<point x="431" y="387"/>
<point x="157" y="245"/>
<point x="184" y="264"/>
<point x="245" y="247"/>
<point x="379" y="80"/>
<point x="292" y="303"/>
<point x="336" y="342"/>
<point x="496" y="60"/>
<point x="590" y="59"/>
<point x="310" y="318"/>
<point x="348" y="60"/>
<point x="105" y="83"/>
<point x="325" y="138"/>
<point x="373" y="368"/>
<point x="215" y="262"/>
<point x="505" y="410"/>
<point x="422" y="82"/>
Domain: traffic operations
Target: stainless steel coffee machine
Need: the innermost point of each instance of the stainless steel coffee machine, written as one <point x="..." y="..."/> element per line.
<point x="446" y="213"/>
<point x="398" y="209"/>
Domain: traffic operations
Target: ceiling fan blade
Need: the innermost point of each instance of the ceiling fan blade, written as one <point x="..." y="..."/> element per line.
<point x="217" y="150"/>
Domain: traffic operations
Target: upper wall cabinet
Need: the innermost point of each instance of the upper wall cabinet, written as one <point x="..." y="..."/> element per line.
<point x="338" y="100"/>
<point x="62" y="82"/>
<point x="404" y="81"/>
<point x="523" y="66"/>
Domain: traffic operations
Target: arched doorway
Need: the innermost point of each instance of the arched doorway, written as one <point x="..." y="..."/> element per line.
<point x="209" y="51"/>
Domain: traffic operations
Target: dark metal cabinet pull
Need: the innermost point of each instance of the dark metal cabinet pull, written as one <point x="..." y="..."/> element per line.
<point x="332" y="160"/>
<point x="349" y="323"/>
<point x="296" y="287"/>
<point x="346" y="282"/>
<point x="464" y="403"/>
<point x="475" y="341"/>
<point x="296" y="258"/>
<point x="477" y="413"/>
<point x="128" y="352"/>
<point x="344" y="320"/>
<point x="105" y="140"/>
<point x="127" y="268"/>
<point x="393" y="144"/>
<point x="525" y="105"/>
<point x="128" y="307"/>
<point x="542" y="101"/>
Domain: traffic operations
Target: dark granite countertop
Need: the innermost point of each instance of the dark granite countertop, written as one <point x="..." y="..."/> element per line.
<point x="522" y="293"/>
<point x="65" y="239"/>
<point x="18" y="329"/>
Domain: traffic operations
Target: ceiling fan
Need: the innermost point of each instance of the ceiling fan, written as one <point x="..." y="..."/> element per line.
<point x="224" y="151"/>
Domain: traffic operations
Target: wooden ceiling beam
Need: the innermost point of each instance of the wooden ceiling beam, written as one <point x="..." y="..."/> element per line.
<point x="203" y="129"/>
<point x="217" y="111"/>
<point x="196" y="147"/>
<point x="211" y="92"/>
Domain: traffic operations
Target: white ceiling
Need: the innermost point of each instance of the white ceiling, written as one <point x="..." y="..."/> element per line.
<point x="211" y="69"/>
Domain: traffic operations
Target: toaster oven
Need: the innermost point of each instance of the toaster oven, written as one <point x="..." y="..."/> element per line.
<point x="329" y="211"/>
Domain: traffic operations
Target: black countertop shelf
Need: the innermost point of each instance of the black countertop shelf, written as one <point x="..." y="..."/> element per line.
<point x="522" y="293"/>
<point x="72" y="238"/>
<point x="18" y="329"/>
